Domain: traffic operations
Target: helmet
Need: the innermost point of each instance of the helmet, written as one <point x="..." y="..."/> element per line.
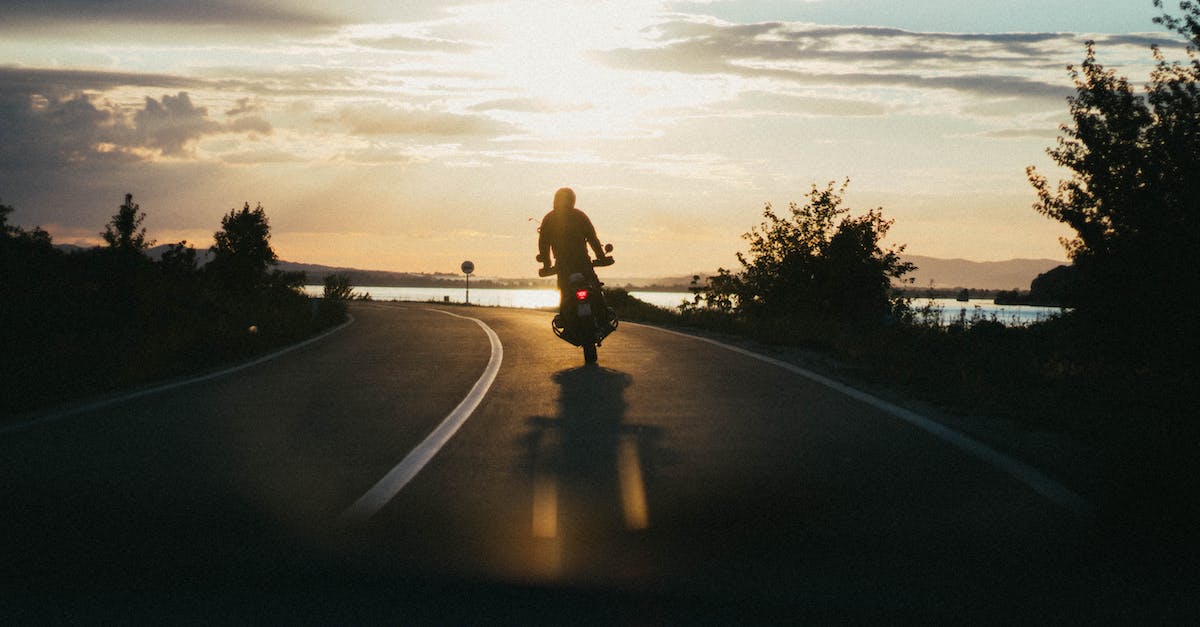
<point x="564" y="198"/>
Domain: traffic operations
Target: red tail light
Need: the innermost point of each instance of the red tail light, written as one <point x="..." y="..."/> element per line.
<point x="581" y="295"/>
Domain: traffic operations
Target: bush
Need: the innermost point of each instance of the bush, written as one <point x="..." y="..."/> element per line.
<point x="818" y="266"/>
<point x="338" y="290"/>
<point x="1133" y="200"/>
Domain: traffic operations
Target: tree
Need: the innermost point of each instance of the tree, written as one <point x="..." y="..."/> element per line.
<point x="242" y="250"/>
<point x="1133" y="200"/>
<point x="19" y="237"/>
<point x="1053" y="287"/>
<point x="178" y="259"/>
<point x="818" y="263"/>
<point x="23" y="255"/>
<point x="123" y="232"/>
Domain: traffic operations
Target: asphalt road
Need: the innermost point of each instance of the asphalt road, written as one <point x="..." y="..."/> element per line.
<point x="677" y="482"/>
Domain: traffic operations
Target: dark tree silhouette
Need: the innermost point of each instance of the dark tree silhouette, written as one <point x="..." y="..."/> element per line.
<point x="1054" y="287"/>
<point x="338" y="287"/>
<point x="93" y="321"/>
<point x="1133" y="201"/>
<point x="123" y="232"/>
<point x="243" y="250"/>
<point x="179" y="259"/>
<point x="17" y="236"/>
<point x="819" y="263"/>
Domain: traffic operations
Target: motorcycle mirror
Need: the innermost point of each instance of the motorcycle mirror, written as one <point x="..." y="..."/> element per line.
<point x="608" y="248"/>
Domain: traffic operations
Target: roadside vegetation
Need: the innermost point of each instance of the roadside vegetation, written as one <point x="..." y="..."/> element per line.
<point x="78" y="324"/>
<point x="1117" y="371"/>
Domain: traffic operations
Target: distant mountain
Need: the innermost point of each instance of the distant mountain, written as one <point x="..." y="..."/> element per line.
<point x="315" y="274"/>
<point x="942" y="273"/>
<point x="203" y="255"/>
<point x="982" y="275"/>
<point x="72" y="248"/>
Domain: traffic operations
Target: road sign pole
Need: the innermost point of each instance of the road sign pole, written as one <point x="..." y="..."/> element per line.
<point x="467" y="268"/>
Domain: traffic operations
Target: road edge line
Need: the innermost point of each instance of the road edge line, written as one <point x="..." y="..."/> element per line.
<point x="1035" y="479"/>
<point x="399" y="476"/>
<point x="55" y="416"/>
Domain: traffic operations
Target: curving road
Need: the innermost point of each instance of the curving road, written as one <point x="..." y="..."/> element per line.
<point x="678" y="480"/>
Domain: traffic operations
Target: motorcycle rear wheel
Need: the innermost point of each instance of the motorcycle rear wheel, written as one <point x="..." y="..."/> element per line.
<point x="589" y="353"/>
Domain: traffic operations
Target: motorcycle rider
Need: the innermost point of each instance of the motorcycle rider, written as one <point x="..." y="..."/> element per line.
<point x="567" y="231"/>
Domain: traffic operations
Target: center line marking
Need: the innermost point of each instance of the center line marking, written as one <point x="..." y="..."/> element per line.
<point x="390" y="485"/>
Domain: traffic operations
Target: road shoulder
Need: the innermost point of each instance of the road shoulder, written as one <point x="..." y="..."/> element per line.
<point x="1074" y="463"/>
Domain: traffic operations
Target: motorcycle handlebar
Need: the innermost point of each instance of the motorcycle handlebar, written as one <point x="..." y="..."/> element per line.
<point x="608" y="260"/>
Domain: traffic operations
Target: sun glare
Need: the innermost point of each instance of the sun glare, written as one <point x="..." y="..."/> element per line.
<point x="545" y="52"/>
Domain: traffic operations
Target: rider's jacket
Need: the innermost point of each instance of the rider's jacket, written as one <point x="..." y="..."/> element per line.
<point x="568" y="232"/>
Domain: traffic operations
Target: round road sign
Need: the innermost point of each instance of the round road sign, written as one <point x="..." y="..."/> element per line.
<point x="468" y="267"/>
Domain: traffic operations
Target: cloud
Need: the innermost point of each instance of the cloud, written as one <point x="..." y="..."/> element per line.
<point x="243" y="107"/>
<point x="41" y="129"/>
<point x="386" y="120"/>
<point x="50" y="118"/>
<point x="770" y="103"/>
<point x="400" y="43"/>
<point x="250" y="13"/>
<point x="57" y="83"/>
<point x="259" y="16"/>
<point x="987" y="65"/>
<point x="295" y="82"/>
<point x="376" y="155"/>
<point x="36" y="131"/>
<point x="529" y="105"/>
<point x="260" y="156"/>
<point x="737" y="173"/>
<point x="1022" y="133"/>
<point x="169" y="125"/>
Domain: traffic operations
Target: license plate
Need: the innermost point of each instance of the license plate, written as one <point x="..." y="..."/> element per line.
<point x="584" y="310"/>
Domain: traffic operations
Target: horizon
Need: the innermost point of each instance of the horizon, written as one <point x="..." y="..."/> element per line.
<point x="413" y="138"/>
<point x="684" y="276"/>
<point x="157" y="248"/>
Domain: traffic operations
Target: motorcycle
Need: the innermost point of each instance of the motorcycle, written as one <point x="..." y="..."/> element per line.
<point x="584" y="319"/>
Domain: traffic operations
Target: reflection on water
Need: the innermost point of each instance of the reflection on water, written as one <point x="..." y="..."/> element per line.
<point x="520" y="298"/>
<point x="948" y="309"/>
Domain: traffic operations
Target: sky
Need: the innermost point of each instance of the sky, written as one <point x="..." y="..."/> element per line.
<point x="411" y="136"/>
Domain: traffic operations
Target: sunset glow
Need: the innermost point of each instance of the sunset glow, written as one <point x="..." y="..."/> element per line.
<point x="410" y="136"/>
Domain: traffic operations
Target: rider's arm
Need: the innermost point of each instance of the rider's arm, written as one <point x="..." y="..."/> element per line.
<point x="593" y="240"/>
<point x="544" y="246"/>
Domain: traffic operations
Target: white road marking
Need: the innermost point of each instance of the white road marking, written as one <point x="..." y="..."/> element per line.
<point x="390" y="485"/>
<point x="1035" y="479"/>
<point x="633" y="488"/>
<point x="108" y="402"/>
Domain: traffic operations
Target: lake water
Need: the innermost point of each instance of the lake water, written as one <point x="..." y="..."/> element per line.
<point x="978" y="308"/>
<point x="520" y="298"/>
<point x="1012" y="315"/>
